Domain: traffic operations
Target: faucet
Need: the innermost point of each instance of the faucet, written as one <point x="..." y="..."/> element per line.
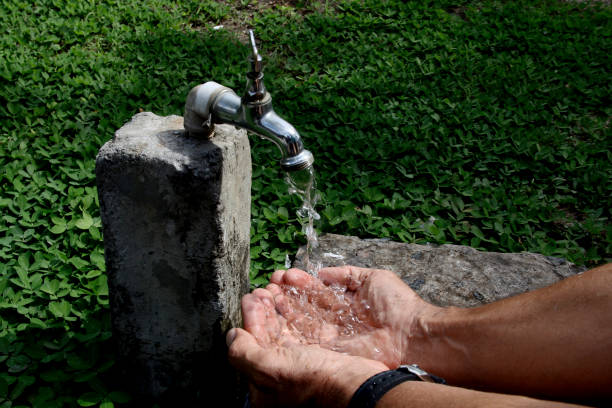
<point x="211" y="103"/>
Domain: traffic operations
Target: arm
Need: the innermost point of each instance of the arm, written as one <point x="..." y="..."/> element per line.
<point x="297" y="375"/>
<point x="420" y="394"/>
<point x="556" y="341"/>
<point x="553" y="342"/>
<point x="284" y="368"/>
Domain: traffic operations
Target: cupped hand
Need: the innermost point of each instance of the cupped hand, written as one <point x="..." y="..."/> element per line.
<point x="363" y="312"/>
<point x="283" y="370"/>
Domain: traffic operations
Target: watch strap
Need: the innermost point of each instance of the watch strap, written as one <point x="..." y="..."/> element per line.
<point x="372" y="390"/>
<point x="368" y="394"/>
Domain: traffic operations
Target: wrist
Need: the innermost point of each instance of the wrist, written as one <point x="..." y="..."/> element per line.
<point x="346" y="379"/>
<point x="419" y="330"/>
<point x="434" y="343"/>
<point x="377" y="386"/>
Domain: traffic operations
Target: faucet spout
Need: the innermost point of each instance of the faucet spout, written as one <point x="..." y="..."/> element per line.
<point x="266" y="123"/>
<point x="212" y="103"/>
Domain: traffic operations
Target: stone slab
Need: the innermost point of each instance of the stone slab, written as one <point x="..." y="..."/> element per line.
<point x="445" y="275"/>
<point x="176" y="223"/>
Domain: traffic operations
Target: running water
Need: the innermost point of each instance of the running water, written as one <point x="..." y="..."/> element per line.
<point x="327" y="316"/>
<point x="302" y="183"/>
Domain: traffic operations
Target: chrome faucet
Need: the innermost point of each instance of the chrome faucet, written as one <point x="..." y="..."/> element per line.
<point x="211" y="103"/>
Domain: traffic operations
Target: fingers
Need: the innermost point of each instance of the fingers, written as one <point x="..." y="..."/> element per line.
<point x="265" y="297"/>
<point x="347" y="276"/>
<point x="305" y="311"/>
<point x="293" y="277"/>
<point x="274" y="289"/>
<point x="243" y="349"/>
<point x="282" y="303"/>
<point x="248" y="357"/>
<point x="298" y="286"/>
<point x="292" y="311"/>
<point x="259" y="315"/>
<point x="267" y="314"/>
<point x="277" y="276"/>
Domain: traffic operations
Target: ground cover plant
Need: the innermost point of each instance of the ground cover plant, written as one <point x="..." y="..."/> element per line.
<point x="478" y="123"/>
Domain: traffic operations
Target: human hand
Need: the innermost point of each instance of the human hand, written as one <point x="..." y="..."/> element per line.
<point x="358" y="311"/>
<point x="282" y="371"/>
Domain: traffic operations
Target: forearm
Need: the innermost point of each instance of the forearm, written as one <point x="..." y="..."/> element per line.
<point x="420" y="394"/>
<point x="555" y="341"/>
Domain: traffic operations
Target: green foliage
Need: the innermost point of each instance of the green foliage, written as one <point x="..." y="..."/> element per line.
<point x="482" y="123"/>
<point x="485" y="124"/>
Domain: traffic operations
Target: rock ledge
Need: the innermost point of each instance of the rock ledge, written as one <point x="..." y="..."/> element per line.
<point x="445" y="275"/>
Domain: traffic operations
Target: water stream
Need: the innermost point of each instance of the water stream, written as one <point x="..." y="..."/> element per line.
<point x="328" y="316"/>
<point x="303" y="184"/>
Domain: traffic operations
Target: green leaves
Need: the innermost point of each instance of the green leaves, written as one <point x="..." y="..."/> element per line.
<point x="17" y="363"/>
<point x="50" y="286"/>
<point x="59" y="225"/>
<point x="106" y="401"/>
<point x="478" y="139"/>
<point x="474" y="138"/>
<point x="84" y="222"/>
<point x="89" y="399"/>
<point x="60" y="309"/>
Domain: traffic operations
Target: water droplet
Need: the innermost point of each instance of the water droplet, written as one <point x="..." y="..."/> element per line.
<point x="287" y="261"/>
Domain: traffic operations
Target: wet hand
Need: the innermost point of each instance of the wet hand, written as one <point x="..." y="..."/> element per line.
<point x="358" y="311"/>
<point x="282" y="369"/>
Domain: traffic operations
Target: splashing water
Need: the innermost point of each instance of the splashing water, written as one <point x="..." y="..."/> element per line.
<point x="314" y="310"/>
<point x="340" y="320"/>
<point x="328" y="316"/>
<point x="302" y="183"/>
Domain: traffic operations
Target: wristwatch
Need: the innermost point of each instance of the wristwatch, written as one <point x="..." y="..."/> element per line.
<point x="368" y="394"/>
<point x="419" y="372"/>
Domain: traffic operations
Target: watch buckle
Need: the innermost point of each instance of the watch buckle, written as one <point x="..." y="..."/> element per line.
<point x="418" y="371"/>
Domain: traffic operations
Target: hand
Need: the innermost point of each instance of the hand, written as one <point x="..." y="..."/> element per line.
<point x="365" y="312"/>
<point x="282" y="371"/>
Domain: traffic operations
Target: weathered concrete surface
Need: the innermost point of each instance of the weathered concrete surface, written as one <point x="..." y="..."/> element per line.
<point x="447" y="274"/>
<point x="176" y="217"/>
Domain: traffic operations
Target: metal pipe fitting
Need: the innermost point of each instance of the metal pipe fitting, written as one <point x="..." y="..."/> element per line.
<point x="211" y="103"/>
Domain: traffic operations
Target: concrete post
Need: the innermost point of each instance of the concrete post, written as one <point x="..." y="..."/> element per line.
<point x="176" y="218"/>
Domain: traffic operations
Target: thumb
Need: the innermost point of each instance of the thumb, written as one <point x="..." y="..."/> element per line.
<point x="243" y="349"/>
<point x="231" y="336"/>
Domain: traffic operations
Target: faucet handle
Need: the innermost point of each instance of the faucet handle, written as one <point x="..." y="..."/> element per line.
<point x="256" y="60"/>
<point x="256" y="90"/>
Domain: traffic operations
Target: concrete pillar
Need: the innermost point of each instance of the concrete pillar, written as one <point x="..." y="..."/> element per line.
<point x="176" y="218"/>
